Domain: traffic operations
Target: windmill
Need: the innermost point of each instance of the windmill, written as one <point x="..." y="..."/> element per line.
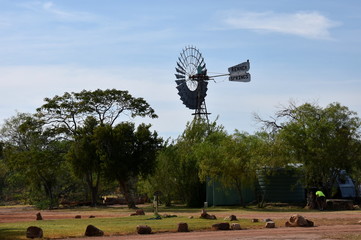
<point x="192" y="79"/>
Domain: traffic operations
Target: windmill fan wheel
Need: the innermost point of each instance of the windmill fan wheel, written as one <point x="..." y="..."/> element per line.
<point x="192" y="79"/>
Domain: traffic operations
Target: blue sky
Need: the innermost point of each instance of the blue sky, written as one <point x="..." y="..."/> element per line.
<point x="305" y="51"/>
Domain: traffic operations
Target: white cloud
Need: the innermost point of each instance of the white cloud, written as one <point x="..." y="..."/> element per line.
<point x="48" y="7"/>
<point x="305" y="24"/>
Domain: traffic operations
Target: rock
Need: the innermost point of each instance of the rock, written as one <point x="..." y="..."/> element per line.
<point x="182" y="227"/>
<point x="205" y="215"/>
<point x="144" y="229"/>
<point x="235" y="226"/>
<point x="91" y="216"/>
<point x="231" y="218"/>
<point x="270" y="224"/>
<point x="298" y="221"/>
<point x="77" y="216"/>
<point x="34" y="232"/>
<point x="168" y="216"/>
<point x="38" y="216"/>
<point x="93" y="231"/>
<point x="310" y="223"/>
<point x="220" y="226"/>
<point x="255" y="220"/>
<point x="138" y="212"/>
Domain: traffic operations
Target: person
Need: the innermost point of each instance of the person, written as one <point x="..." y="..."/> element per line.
<point x="320" y="199"/>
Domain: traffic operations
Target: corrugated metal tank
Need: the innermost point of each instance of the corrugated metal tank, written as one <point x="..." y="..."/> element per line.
<point x="278" y="185"/>
<point x="219" y="195"/>
<point x="281" y="185"/>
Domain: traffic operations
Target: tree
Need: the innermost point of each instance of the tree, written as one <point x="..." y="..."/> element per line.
<point x="126" y="153"/>
<point x="77" y="114"/>
<point x="68" y="112"/>
<point x="36" y="154"/>
<point x="164" y="178"/>
<point x="83" y="157"/>
<point x="323" y="140"/>
<point x="230" y="159"/>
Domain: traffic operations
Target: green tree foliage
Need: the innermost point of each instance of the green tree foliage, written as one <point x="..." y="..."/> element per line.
<point x="230" y="159"/>
<point x="77" y="114"/>
<point x="126" y="153"/>
<point x="323" y="140"/>
<point x="164" y="177"/>
<point x="34" y="153"/>
<point x="68" y="112"/>
<point x="177" y="171"/>
<point x="84" y="160"/>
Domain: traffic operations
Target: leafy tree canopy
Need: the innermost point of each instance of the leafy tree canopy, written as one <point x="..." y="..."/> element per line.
<point x="68" y="112"/>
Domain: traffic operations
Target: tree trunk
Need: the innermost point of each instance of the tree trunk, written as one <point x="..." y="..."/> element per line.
<point x="93" y="190"/>
<point x="238" y="184"/>
<point x="127" y="191"/>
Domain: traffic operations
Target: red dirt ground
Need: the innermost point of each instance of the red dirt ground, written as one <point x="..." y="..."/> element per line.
<point x="328" y="225"/>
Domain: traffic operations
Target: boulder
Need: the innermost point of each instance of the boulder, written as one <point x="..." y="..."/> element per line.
<point x="91" y="216"/>
<point x="231" y="218"/>
<point x="255" y="220"/>
<point x="34" y="232"/>
<point x="235" y="226"/>
<point x="144" y="229"/>
<point x="205" y="215"/>
<point x="298" y="221"/>
<point x="38" y="216"/>
<point x="182" y="227"/>
<point x="220" y="226"/>
<point x="138" y="212"/>
<point x="93" y="231"/>
<point x="77" y="216"/>
<point x="270" y="224"/>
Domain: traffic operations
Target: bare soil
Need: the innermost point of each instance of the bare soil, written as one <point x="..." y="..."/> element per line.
<point x="328" y="225"/>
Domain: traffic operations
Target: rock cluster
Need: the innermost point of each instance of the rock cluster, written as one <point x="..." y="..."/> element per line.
<point x="298" y="221"/>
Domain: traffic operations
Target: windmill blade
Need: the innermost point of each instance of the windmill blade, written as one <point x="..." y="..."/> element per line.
<point x="179" y="82"/>
<point x="179" y="76"/>
<point x="182" y="68"/>
<point x="180" y="71"/>
<point x="180" y="60"/>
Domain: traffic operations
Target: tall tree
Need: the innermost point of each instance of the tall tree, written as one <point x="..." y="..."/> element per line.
<point x="323" y="140"/>
<point x="70" y="114"/>
<point x="189" y="184"/>
<point x="230" y="159"/>
<point x="84" y="159"/>
<point x="34" y="152"/>
<point x="126" y="153"/>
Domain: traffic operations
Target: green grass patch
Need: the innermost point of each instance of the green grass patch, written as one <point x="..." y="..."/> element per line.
<point x="70" y="228"/>
<point x="116" y="225"/>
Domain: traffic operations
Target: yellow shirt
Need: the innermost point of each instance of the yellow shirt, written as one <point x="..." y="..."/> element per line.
<point x="320" y="194"/>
